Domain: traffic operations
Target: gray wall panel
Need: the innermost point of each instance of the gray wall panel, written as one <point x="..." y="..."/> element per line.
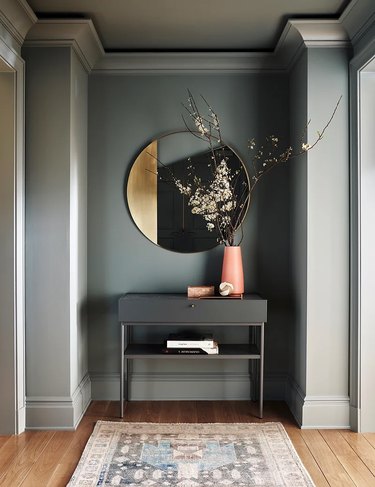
<point x="7" y="260"/>
<point x="125" y="113"/>
<point x="47" y="221"/>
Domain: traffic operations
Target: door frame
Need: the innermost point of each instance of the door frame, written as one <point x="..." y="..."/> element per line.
<point x="358" y="66"/>
<point x="16" y="65"/>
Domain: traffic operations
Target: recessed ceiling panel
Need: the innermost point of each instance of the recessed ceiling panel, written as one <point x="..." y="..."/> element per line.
<point x="190" y="24"/>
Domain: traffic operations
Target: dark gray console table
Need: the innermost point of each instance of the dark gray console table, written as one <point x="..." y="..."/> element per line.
<point x="177" y="309"/>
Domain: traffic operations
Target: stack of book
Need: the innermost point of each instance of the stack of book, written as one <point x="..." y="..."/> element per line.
<point x="191" y="344"/>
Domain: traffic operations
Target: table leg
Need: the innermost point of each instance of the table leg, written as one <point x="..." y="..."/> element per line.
<point x="261" y="370"/>
<point x="253" y="372"/>
<point x="126" y="363"/>
<point x="122" y="370"/>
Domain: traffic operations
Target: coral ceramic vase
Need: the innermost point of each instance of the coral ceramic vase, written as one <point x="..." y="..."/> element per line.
<point x="232" y="269"/>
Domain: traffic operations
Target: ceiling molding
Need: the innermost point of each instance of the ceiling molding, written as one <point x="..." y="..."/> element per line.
<point x="309" y="33"/>
<point x="357" y="18"/>
<point x="80" y="34"/>
<point x="182" y="62"/>
<point x="16" y="18"/>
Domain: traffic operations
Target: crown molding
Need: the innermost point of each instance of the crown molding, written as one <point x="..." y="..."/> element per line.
<point x="183" y="62"/>
<point x="358" y="18"/>
<point x="80" y="34"/>
<point x="16" y="18"/>
<point x="309" y="33"/>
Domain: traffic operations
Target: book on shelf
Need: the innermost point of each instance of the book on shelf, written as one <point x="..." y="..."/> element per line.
<point x="190" y="341"/>
<point x="192" y="350"/>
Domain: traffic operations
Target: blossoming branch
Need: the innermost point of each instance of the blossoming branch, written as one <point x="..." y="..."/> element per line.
<point x="223" y="200"/>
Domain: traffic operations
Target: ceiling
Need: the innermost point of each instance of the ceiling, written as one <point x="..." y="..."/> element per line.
<point x="237" y="25"/>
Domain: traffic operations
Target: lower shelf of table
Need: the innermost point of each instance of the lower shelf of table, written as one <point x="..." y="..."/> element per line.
<point x="226" y="351"/>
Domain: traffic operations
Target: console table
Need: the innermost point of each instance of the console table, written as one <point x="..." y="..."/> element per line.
<point x="178" y="309"/>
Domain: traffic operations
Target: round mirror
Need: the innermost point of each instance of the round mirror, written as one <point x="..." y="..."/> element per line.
<point x="160" y="209"/>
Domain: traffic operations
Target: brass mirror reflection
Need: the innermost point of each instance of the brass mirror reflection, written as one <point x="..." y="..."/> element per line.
<point x="158" y="208"/>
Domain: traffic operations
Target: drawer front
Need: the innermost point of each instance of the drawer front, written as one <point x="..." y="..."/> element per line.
<point x="182" y="310"/>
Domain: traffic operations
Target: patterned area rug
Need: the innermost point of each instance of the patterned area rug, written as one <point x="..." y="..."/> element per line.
<point x="190" y="455"/>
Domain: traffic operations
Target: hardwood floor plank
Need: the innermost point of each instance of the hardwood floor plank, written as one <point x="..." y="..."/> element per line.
<point x="11" y="448"/>
<point x="362" y="448"/>
<point x="243" y="411"/>
<point x="370" y="437"/>
<point x="42" y="471"/>
<point x="334" y="472"/>
<point x="353" y="465"/>
<point x="224" y="412"/>
<point x="113" y="411"/>
<point x="3" y="440"/>
<point x="206" y="412"/>
<point x="16" y="471"/>
<point x="279" y="411"/>
<point x="187" y="412"/>
<point x="134" y="411"/>
<point x="306" y="456"/>
<point x="98" y="408"/>
<point x="69" y="460"/>
<point x="169" y="411"/>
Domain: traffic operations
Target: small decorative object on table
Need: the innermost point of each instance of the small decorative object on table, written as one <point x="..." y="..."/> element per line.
<point x="226" y="288"/>
<point x="200" y="291"/>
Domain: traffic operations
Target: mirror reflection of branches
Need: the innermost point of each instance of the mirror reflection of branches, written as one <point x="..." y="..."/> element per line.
<point x="161" y="211"/>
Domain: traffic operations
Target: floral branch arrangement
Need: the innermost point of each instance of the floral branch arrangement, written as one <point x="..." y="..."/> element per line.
<point x="223" y="200"/>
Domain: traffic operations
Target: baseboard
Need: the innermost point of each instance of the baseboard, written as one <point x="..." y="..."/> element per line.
<point x="354" y="418"/>
<point x="330" y="412"/>
<point x="295" y="398"/>
<point x="323" y="412"/>
<point x="61" y="413"/>
<point x="179" y="386"/>
<point x="21" y="420"/>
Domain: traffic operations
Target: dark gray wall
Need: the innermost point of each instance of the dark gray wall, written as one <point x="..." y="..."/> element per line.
<point x="125" y="113"/>
<point x="298" y="227"/>
<point x="7" y="261"/>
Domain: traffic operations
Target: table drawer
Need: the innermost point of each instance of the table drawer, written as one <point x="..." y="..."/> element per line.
<point x="145" y="308"/>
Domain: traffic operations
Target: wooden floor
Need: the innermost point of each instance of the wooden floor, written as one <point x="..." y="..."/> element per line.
<point x="48" y="458"/>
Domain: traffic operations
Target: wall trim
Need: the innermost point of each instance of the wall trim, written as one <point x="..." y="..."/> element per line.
<point x="356" y="18"/>
<point x="17" y="18"/>
<point x="80" y="34"/>
<point x="187" y="62"/>
<point x="330" y="412"/>
<point x="312" y="412"/>
<point x="173" y="386"/>
<point x="354" y="418"/>
<point x="58" y="412"/>
<point x="309" y="33"/>
<point x="295" y="397"/>
<point x="9" y="54"/>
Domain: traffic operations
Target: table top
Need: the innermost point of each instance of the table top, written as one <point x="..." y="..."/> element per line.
<point x="183" y="296"/>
